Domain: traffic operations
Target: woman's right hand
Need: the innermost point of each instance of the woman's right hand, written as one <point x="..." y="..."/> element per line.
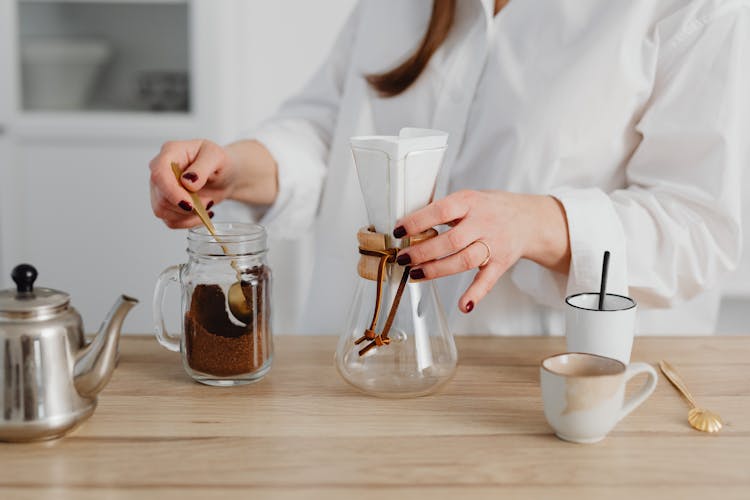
<point x="206" y="167"/>
<point x="244" y="171"/>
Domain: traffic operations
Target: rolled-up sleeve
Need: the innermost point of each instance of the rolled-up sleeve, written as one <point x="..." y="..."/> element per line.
<point x="676" y="227"/>
<point x="299" y="135"/>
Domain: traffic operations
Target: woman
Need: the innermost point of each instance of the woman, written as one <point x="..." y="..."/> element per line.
<point x="575" y="127"/>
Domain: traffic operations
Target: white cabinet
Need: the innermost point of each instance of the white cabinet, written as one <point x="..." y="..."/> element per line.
<point x="74" y="188"/>
<point x="74" y="195"/>
<point x="136" y="94"/>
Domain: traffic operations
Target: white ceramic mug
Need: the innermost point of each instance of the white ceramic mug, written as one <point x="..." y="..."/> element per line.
<point x="584" y="394"/>
<point x="608" y="332"/>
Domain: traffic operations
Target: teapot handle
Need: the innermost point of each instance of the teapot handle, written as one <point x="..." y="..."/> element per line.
<point x="169" y="275"/>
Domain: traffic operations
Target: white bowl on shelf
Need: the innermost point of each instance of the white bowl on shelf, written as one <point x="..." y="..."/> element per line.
<point x="61" y="73"/>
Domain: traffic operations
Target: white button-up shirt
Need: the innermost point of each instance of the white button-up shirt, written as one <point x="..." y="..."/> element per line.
<point x="634" y="114"/>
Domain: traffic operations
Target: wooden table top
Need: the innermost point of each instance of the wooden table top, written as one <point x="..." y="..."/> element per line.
<point x="304" y="433"/>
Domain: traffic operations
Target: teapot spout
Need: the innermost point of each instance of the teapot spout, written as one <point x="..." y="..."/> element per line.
<point x="96" y="362"/>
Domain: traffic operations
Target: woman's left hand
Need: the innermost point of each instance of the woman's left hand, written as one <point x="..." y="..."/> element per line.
<point x="491" y="231"/>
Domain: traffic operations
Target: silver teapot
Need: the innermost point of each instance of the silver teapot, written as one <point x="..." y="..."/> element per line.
<point x="49" y="376"/>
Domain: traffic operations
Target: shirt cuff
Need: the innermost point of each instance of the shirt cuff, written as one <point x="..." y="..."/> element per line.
<point x="593" y="228"/>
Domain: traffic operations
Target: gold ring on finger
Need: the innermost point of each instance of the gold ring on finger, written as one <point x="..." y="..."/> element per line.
<point x="489" y="253"/>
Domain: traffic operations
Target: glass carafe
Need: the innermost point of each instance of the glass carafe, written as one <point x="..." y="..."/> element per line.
<point x="396" y="342"/>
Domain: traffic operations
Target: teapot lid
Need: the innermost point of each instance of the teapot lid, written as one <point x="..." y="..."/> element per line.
<point x="29" y="302"/>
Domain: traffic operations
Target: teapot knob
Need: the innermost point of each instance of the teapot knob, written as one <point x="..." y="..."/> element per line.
<point x="24" y="275"/>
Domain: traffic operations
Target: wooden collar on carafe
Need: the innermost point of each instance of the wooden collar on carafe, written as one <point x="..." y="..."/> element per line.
<point x="374" y="258"/>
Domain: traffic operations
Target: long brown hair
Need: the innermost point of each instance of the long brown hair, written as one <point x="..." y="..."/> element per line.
<point x="396" y="80"/>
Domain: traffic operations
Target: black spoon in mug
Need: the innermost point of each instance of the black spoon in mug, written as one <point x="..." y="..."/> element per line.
<point x="603" y="284"/>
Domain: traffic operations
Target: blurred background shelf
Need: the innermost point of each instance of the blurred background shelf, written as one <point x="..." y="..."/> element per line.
<point x="84" y="55"/>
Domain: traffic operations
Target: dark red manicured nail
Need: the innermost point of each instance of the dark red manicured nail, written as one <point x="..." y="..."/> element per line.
<point x="399" y="232"/>
<point x="191" y="176"/>
<point x="210" y="204"/>
<point x="416" y="274"/>
<point x="403" y="259"/>
<point x="211" y="215"/>
<point x="469" y="306"/>
<point x="186" y="206"/>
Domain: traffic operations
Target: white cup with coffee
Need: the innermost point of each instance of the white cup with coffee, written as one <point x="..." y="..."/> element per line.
<point x="584" y="394"/>
<point x="608" y="331"/>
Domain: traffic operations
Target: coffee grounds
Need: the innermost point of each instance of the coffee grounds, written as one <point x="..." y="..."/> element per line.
<point x="216" y="346"/>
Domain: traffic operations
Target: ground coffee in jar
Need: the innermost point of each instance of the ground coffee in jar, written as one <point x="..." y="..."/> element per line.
<point x="219" y="347"/>
<point x="214" y="344"/>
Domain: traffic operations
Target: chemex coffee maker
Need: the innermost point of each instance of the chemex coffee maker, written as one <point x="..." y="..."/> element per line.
<point x="49" y="375"/>
<point x="396" y="342"/>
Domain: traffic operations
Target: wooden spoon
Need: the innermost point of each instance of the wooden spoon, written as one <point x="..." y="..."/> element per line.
<point x="238" y="305"/>
<point x="699" y="418"/>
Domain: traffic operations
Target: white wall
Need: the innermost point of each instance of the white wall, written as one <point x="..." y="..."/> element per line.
<point x="295" y="36"/>
<point x="286" y="41"/>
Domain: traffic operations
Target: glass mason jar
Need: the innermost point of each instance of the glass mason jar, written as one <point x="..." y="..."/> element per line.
<point x="225" y="315"/>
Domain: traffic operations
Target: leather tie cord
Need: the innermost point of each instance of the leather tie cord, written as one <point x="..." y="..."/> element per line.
<point x="373" y="263"/>
<point x="386" y="256"/>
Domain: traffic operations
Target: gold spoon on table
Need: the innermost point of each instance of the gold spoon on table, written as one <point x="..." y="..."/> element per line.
<point x="238" y="305"/>
<point x="699" y="418"/>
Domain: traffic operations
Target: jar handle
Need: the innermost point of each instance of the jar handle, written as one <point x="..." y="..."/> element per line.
<point x="169" y="275"/>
